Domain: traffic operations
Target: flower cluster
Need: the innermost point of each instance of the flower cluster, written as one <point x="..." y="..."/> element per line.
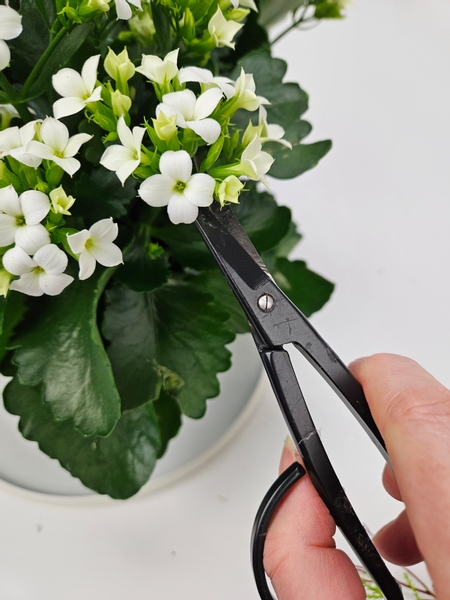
<point x="192" y="129"/>
<point x="186" y="155"/>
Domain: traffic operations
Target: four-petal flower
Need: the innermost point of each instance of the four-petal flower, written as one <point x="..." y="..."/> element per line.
<point x="77" y="90"/>
<point x="57" y="146"/>
<point x="177" y="188"/>
<point x="159" y="70"/>
<point x="223" y="31"/>
<point x="20" y="219"/>
<point x="126" y="158"/>
<point x="192" y="112"/>
<point x="14" y="142"/>
<point x="96" y="245"/>
<point x="42" y="274"/>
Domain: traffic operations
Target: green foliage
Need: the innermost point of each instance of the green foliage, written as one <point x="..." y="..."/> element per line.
<point x="303" y="157"/>
<point x="13" y="311"/>
<point x="103" y="373"/>
<point x="117" y="465"/>
<point x="100" y="195"/>
<point x="59" y="348"/>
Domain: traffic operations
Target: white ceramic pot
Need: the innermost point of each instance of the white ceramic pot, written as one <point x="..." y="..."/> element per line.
<point x="25" y="469"/>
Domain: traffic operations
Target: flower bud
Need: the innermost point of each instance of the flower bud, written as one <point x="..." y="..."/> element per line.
<point x="120" y="103"/>
<point x="238" y="14"/>
<point x="119" y="67"/>
<point x="165" y="127"/>
<point x="228" y="190"/>
<point x="5" y="279"/>
<point x="90" y="7"/>
<point x="250" y="133"/>
<point x="61" y="202"/>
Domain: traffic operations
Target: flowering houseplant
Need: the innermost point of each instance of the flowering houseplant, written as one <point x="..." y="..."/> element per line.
<point x="119" y="120"/>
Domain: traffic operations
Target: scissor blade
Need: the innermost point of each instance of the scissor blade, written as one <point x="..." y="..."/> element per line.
<point x="231" y="246"/>
<point x="283" y="323"/>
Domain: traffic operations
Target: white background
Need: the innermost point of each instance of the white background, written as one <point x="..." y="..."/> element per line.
<point x="375" y="216"/>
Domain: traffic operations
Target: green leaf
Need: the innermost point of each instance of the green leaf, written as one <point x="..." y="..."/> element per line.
<point x="59" y="346"/>
<point x="26" y="49"/>
<point x="291" y="163"/>
<point x="192" y="334"/>
<point x="14" y="308"/>
<point x="168" y="414"/>
<point x="117" y="465"/>
<point x="162" y="27"/>
<point x="186" y="245"/>
<point x="288" y="243"/>
<point x="60" y="57"/>
<point x="47" y="10"/>
<point x="2" y="312"/>
<point x="214" y="283"/>
<point x="129" y="324"/>
<point x="176" y="327"/>
<point x="142" y="273"/>
<point x="264" y="221"/>
<point x="297" y="131"/>
<point x="101" y="195"/>
<point x="308" y="290"/>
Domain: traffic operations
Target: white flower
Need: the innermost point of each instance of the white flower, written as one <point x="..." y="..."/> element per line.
<point x="265" y="132"/>
<point x="42" y="274"/>
<point x="14" y="141"/>
<point x="157" y="70"/>
<point x="272" y="132"/>
<point x="96" y="245"/>
<point x="207" y="80"/>
<point x="126" y="158"/>
<point x="77" y="90"/>
<point x="20" y="219"/>
<point x="246" y="3"/>
<point x="254" y="162"/>
<point x="10" y="28"/>
<point x="123" y="9"/>
<point x="7" y="113"/>
<point x="192" y="112"/>
<point x="177" y="188"/>
<point x="57" y="146"/>
<point x="245" y="96"/>
<point x="221" y="30"/>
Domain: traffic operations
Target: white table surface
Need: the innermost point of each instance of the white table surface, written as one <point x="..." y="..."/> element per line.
<point x="375" y="216"/>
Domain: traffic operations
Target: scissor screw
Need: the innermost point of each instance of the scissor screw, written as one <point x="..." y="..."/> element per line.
<point x="266" y="302"/>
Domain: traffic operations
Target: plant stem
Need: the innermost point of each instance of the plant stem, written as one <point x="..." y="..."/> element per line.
<point x="41" y="62"/>
<point x="14" y="96"/>
<point x="295" y="24"/>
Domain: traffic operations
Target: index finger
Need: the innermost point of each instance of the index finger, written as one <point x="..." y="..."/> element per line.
<point x="412" y="410"/>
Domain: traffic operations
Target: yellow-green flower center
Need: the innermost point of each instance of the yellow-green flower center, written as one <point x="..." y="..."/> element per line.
<point x="180" y="186"/>
<point x="20" y="221"/>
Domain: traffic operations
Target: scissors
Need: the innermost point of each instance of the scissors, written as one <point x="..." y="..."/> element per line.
<point x="275" y="322"/>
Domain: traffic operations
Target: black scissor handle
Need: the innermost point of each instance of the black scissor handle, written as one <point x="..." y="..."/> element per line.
<point x="262" y="521"/>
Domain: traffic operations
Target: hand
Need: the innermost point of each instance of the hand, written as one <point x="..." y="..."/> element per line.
<point x="412" y="411"/>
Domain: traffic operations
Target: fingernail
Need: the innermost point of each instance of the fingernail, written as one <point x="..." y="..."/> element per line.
<point x="290" y="446"/>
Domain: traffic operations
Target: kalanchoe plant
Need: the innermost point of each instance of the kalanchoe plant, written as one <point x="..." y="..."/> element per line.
<point x="120" y="119"/>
